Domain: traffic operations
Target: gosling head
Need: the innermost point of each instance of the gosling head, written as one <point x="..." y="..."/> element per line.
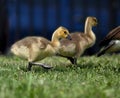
<point x="62" y="32"/>
<point x="92" y="21"/>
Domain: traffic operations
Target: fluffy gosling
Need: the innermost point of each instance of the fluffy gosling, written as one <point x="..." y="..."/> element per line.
<point x="72" y="49"/>
<point x="37" y="48"/>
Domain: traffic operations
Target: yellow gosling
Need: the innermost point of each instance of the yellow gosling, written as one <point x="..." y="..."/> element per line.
<point x="37" y="48"/>
<point x="72" y="49"/>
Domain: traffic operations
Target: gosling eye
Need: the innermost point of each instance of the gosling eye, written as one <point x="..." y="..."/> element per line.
<point x="65" y="32"/>
<point x="95" y="19"/>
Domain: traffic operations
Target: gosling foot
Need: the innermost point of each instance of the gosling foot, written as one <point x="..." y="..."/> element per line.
<point x="38" y="64"/>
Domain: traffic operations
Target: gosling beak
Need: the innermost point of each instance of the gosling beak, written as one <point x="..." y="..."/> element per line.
<point x="96" y="23"/>
<point x="69" y="37"/>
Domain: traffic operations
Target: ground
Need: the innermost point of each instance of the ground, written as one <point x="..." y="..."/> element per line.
<point x="93" y="78"/>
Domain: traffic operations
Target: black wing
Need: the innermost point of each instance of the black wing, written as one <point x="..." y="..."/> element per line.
<point x="112" y="35"/>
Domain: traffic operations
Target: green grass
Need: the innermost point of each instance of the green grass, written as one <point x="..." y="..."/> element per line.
<point x="93" y="78"/>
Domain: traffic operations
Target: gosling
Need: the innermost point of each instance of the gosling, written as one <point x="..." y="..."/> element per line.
<point x="35" y="48"/>
<point x="72" y="49"/>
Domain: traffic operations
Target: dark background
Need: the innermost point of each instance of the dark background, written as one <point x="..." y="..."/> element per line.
<point x="20" y="18"/>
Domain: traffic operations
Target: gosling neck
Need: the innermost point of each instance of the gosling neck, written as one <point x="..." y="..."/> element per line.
<point x="55" y="40"/>
<point x="88" y="30"/>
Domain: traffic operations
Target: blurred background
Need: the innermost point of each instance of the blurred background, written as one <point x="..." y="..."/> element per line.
<point x="21" y="18"/>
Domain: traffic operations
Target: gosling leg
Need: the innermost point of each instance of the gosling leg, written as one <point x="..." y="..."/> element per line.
<point x="38" y="64"/>
<point x="72" y="60"/>
<point x="29" y="66"/>
<point x="75" y="61"/>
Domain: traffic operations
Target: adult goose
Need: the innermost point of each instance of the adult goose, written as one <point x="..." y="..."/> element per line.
<point x="37" y="48"/>
<point x="111" y="42"/>
<point x="72" y="49"/>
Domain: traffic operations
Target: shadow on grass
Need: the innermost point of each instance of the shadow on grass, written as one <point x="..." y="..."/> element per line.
<point x="71" y="67"/>
<point x="90" y="66"/>
<point x="35" y="69"/>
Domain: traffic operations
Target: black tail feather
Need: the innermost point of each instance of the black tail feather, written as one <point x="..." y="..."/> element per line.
<point x="105" y="49"/>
